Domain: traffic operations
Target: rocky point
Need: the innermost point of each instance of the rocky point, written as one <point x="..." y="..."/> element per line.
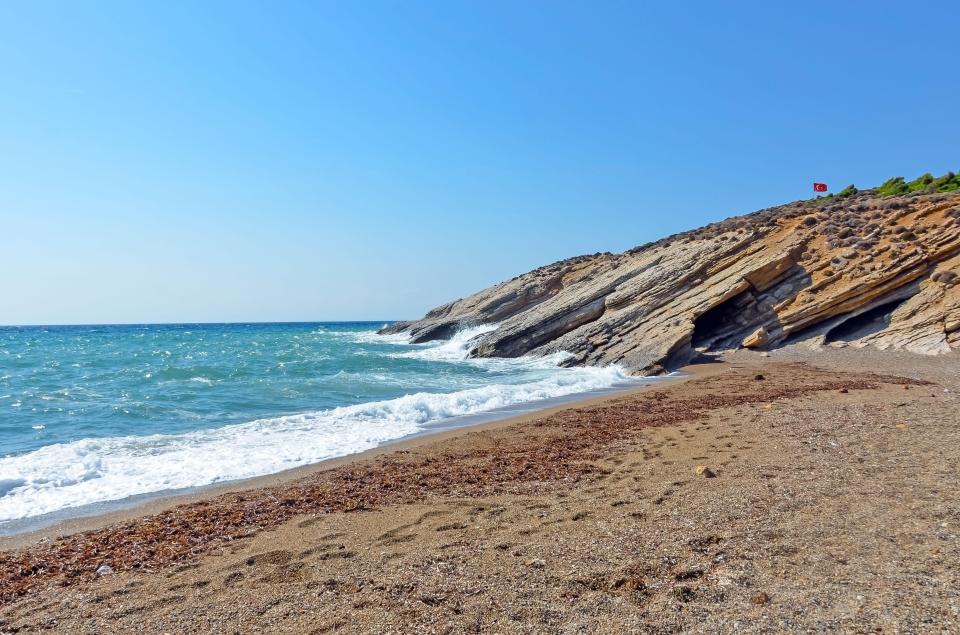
<point x="857" y="270"/>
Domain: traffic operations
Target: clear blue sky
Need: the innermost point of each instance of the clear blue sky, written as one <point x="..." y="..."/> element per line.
<point x="234" y="161"/>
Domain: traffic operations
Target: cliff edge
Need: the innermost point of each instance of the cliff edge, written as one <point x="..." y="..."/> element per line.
<point x="874" y="267"/>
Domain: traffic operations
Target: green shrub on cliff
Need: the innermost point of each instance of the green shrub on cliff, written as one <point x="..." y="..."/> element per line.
<point x="947" y="183"/>
<point x="924" y="183"/>
<point x="898" y="186"/>
<point x="850" y="190"/>
<point x="921" y="182"/>
<point x="893" y="187"/>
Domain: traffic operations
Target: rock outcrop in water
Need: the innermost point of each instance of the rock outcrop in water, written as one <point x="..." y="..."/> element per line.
<point x="858" y="270"/>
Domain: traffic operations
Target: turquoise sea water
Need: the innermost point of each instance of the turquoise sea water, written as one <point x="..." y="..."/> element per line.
<point x="91" y="414"/>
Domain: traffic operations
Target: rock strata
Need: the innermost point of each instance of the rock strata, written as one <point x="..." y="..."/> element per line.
<point x="856" y="271"/>
<point x="756" y="339"/>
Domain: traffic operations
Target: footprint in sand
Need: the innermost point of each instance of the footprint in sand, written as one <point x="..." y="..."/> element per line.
<point x="452" y="526"/>
<point x="279" y="556"/>
<point x="233" y="578"/>
<point x="335" y="555"/>
<point x="170" y="600"/>
<point x="396" y="536"/>
<point x="284" y="574"/>
<point x="182" y="568"/>
<point x="395" y="539"/>
<point x="321" y="549"/>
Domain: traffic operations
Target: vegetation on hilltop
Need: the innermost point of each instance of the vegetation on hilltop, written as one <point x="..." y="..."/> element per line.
<point x="899" y="186"/>
<point x="926" y="183"/>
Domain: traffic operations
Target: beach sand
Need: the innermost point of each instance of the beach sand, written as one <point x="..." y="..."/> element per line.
<point x="829" y="502"/>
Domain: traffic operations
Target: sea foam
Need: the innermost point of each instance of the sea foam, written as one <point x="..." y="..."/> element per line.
<point x="96" y="470"/>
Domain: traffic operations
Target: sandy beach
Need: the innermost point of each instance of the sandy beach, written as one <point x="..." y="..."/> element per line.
<point x="797" y="492"/>
<point x="155" y="504"/>
<point x="494" y="318"/>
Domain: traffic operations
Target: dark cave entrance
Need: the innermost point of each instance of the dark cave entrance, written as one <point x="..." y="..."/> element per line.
<point x="723" y="325"/>
<point x="866" y="323"/>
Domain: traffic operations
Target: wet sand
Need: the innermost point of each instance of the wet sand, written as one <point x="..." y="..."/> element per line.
<point x="163" y="502"/>
<point x="828" y="503"/>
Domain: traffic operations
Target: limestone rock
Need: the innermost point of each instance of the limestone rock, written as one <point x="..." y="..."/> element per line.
<point x="657" y="306"/>
<point x="756" y="339"/>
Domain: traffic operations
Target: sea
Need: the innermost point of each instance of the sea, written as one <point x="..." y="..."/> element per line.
<point x="93" y="418"/>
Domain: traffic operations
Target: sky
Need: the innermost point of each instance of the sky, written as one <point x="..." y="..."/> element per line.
<point x="300" y="161"/>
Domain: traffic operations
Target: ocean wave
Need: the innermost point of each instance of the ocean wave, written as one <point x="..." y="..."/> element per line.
<point x="454" y="349"/>
<point x="65" y="475"/>
<point x="370" y="337"/>
<point x="457" y="348"/>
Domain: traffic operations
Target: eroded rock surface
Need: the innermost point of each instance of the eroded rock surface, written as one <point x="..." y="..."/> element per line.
<point x="861" y="270"/>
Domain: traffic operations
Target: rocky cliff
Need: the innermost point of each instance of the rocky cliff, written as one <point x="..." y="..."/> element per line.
<point x="855" y="270"/>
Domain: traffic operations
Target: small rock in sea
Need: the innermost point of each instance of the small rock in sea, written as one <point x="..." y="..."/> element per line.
<point x="760" y="598"/>
<point x="104" y="569"/>
<point x="536" y="563"/>
<point x="704" y="471"/>
<point x="759" y="377"/>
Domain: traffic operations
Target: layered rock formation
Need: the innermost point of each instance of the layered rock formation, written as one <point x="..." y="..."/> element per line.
<point x="859" y="270"/>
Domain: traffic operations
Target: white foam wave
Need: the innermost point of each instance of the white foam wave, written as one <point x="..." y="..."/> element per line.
<point x="66" y="475"/>
<point x="371" y="337"/>
<point x="454" y="349"/>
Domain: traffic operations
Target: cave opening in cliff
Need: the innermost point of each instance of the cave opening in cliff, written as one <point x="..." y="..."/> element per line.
<point x="864" y="324"/>
<point x="722" y="326"/>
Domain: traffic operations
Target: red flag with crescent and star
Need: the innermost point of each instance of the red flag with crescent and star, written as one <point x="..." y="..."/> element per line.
<point x="819" y="187"/>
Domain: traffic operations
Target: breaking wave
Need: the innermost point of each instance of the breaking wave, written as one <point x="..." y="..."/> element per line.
<point x="96" y="470"/>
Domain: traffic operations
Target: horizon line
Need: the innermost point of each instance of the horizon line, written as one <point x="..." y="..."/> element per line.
<point x="214" y="323"/>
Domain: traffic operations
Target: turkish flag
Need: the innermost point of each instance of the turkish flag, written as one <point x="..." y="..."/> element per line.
<point x="819" y="187"/>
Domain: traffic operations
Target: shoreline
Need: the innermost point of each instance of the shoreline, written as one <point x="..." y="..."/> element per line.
<point x="780" y="494"/>
<point x="153" y="503"/>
